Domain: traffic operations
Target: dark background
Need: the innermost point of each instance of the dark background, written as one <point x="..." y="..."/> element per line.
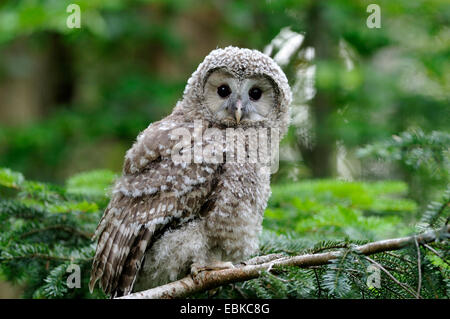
<point x="74" y="100"/>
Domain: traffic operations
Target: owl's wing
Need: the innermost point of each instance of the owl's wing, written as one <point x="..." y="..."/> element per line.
<point x="154" y="194"/>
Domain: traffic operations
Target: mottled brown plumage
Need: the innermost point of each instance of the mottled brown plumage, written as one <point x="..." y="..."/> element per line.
<point x="166" y="216"/>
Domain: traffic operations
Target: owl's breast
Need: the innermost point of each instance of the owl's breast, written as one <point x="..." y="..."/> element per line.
<point x="235" y="221"/>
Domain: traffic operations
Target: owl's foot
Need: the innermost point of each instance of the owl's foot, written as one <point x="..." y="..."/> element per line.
<point x="197" y="268"/>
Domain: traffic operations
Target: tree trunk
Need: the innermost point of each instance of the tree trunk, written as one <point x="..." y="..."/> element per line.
<point x="319" y="158"/>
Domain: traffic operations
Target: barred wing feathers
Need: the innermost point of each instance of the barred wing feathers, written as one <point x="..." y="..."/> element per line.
<point x="154" y="194"/>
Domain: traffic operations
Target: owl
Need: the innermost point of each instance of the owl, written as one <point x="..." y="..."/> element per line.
<point x="170" y="218"/>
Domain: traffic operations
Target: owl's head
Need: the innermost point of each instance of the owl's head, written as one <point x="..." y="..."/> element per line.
<point x="236" y="87"/>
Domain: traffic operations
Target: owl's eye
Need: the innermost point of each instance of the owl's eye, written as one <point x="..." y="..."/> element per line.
<point x="223" y="90"/>
<point x="255" y="93"/>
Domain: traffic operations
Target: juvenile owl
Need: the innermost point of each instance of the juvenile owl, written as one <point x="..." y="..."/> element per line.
<point x="169" y="217"/>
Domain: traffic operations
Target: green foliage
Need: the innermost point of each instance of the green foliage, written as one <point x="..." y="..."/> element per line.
<point x="131" y="59"/>
<point x="128" y="65"/>
<point x="90" y="183"/>
<point x="46" y="228"/>
<point x="336" y="209"/>
<point x="425" y="158"/>
<point x="434" y="214"/>
<point x="41" y="148"/>
<point x="300" y="220"/>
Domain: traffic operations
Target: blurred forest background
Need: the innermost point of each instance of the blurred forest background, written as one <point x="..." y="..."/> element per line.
<point x="369" y="104"/>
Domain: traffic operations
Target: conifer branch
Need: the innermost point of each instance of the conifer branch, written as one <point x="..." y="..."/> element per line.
<point x="44" y="257"/>
<point x="65" y="228"/>
<point x="403" y="285"/>
<point x="211" y="279"/>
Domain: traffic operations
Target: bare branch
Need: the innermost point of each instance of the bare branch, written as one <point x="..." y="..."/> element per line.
<point x="211" y="279"/>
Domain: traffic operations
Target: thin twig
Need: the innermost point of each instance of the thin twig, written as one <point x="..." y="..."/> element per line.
<point x="278" y="278"/>
<point x="399" y="257"/>
<point x="239" y="290"/>
<point x="419" y="267"/>
<point x="436" y="253"/>
<point x="57" y="227"/>
<point x="318" y="283"/>
<point x="401" y="284"/>
<point x="394" y="292"/>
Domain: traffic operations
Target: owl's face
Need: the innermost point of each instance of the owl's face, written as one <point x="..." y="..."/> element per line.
<point x="234" y="101"/>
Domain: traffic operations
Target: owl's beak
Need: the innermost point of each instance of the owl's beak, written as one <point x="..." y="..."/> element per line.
<point x="238" y="111"/>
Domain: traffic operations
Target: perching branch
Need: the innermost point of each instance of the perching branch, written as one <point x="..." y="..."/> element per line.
<point x="252" y="269"/>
